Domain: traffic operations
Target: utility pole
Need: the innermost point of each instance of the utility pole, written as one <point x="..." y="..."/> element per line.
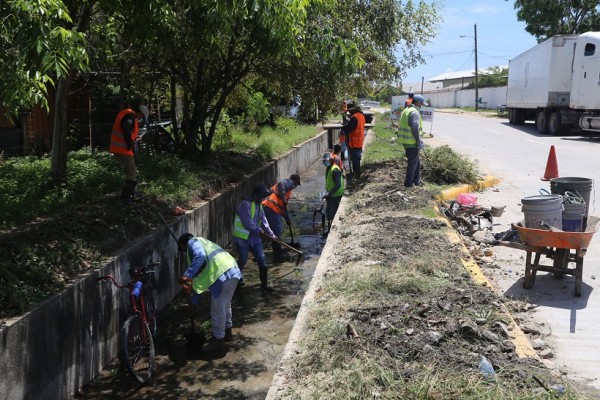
<point x="476" y="73"/>
<point x="422" y="80"/>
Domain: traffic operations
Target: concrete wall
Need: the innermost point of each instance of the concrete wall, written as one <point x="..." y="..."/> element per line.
<point x="466" y="97"/>
<point x="64" y="343"/>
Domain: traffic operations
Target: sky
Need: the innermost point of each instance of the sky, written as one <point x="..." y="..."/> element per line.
<point x="500" y="37"/>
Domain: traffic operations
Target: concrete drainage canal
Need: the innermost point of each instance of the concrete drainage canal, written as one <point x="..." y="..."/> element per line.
<point x="262" y="323"/>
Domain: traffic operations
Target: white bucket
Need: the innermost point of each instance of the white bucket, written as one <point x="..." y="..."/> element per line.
<point x="547" y="208"/>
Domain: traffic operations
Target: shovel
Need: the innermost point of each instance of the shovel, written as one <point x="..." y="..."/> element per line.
<point x="285" y="245"/>
<point x="289" y="224"/>
<point x="193" y="337"/>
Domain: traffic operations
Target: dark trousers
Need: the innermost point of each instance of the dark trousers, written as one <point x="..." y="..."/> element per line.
<point x="355" y="156"/>
<point x="413" y="168"/>
<point x="277" y="228"/>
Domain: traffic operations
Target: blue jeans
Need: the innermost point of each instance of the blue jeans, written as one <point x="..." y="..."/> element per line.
<point x="355" y="157"/>
<point x="277" y="228"/>
<point x="413" y="168"/>
<point x="258" y="252"/>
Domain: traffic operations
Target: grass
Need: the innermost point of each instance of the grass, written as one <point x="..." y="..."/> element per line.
<point x="50" y="232"/>
<point x="383" y="294"/>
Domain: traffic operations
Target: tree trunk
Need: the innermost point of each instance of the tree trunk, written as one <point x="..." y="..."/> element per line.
<point x="59" y="134"/>
<point x="174" y="112"/>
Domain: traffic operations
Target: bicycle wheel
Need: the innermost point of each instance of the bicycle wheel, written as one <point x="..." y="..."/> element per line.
<point x="136" y="349"/>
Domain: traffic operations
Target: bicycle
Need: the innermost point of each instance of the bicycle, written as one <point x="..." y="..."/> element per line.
<point x="155" y="139"/>
<point x="136" y="338"/>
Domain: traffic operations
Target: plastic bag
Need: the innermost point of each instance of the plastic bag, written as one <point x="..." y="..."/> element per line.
<point x="466" y="199"/>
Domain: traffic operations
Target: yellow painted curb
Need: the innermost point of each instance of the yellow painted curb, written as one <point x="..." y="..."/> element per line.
<point x="453" y="192"/>
<point x="523" y="347"/>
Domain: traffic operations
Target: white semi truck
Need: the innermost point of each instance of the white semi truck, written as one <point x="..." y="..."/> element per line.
<point x="557" y="84"/>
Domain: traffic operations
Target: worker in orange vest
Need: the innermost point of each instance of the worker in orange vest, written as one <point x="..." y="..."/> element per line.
<point x="337" y="157"/>
<point x="122" y="142"/>
<point x="355" y="137"/>
<point x="275" y="206"/>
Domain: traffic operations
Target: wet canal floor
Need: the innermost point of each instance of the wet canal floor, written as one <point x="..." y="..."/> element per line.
<point x="262" y="323"/>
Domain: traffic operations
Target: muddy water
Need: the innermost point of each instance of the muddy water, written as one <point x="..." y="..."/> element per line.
<point x="262" y="323"/>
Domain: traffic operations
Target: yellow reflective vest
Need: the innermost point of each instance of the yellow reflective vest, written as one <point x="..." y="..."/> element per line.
<point x="330" y="184"/>
<point x="218" y="261"/>
<point x="405" y="135"/>
<point x="239" y="230"/>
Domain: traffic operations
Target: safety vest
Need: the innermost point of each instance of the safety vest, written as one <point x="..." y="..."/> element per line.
<point x="218" y="261"/>
<point x="357" y="136"/>
<point x="329" y="183"/>
<point x="405" y="135"/>
<point x="117" y="140"/>
<point x="274" y="202"/>
<point x="239" y="231"/>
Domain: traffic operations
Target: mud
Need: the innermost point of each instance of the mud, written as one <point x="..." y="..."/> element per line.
<point x="262" y="323"/>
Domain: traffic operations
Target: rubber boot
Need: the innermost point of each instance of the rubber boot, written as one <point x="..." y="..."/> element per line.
<point x="136" y="193"/>
<point x="133" y="192"/>
<point x="127" y="193"/>
<point x="228" y="335"/>
<point x="278" y="254"/>
<point x="264" y="286"/>
<point x="214" y="345"/>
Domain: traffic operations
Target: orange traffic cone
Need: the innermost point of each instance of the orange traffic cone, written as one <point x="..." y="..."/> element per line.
<point x="551" y="166"/>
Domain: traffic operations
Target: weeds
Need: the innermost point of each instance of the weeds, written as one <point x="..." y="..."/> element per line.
<point x="50" y="232"/>
<point x="442" y="165"/>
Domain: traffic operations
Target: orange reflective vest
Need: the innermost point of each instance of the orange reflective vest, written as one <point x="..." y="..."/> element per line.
<point x="356" y="138"/>
<point x="274" y="202"/>
<point x="337" y="160"/>
<point x="117" y="140"/>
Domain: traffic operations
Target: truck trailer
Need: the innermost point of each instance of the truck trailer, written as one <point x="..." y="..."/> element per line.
<point x="557" y="84"/>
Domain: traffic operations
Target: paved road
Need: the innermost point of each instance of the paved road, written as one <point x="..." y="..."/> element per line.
<point x="518" y="156"/>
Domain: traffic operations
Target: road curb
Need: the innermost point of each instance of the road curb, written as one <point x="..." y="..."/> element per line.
<point x="523" y="347"/>
<point x="454" y="191"/>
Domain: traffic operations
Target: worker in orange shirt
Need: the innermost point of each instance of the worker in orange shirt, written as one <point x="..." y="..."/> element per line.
<point x="122" y="141"/>
<point x="355" y="135"/>
<point x="275" y="206"/>
<point x="337" y="158"/>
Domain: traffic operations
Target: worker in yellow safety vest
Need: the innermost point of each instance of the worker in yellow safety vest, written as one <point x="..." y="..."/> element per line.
<point x="409" y="131"/>
<point x="209" y="267"/>
<point x="250" y="221"/>
<point x="334" y="185"/>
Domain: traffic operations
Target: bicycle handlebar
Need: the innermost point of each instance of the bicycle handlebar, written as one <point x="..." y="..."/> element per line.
<point x="134" y="271"/>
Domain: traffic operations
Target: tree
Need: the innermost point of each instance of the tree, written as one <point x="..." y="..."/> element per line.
<point x="36" y="50"/>
<point x="379" y="35"/>
<point x="493" y="76"/>
<point x="548" y="18"/>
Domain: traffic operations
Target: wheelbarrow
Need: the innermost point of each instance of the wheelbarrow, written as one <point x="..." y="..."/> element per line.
<point x="560" y="246"/>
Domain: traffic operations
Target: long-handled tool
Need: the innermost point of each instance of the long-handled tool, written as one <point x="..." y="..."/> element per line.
<point x="193" y="337"/>
<point x="287" y="246"/>
<point x="168" y="227"/>
<point x="289" y="224"/>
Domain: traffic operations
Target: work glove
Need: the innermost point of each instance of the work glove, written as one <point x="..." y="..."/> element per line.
<point x="326" y="195"/>
<point x="186" y="284"/>
<point x="421" y="145"/>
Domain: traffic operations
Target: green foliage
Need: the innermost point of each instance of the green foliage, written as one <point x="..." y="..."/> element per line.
<point x="37" y="48"/>
<point x="27" y="190"/>
<point x="544" y="19"/>
<point x="442" y="165"/>
<point x="257" y="111"/>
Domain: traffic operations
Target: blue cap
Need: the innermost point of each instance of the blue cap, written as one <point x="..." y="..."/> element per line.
<point x="420" y="99"/>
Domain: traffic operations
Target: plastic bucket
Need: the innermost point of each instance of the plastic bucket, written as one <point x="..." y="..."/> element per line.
<point x="572" y="217"/>
<point x="547" y="208"/>
<point x="581" y="186"/>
